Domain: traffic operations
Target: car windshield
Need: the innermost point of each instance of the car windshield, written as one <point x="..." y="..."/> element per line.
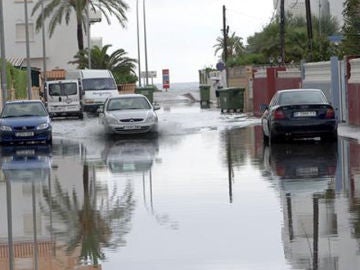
<point x="99" y="84"/>
<point x="131" y="103"/>
<point x="304" y="97"/>
<point x="63" y="89"/>
<point x="23" y="110"/>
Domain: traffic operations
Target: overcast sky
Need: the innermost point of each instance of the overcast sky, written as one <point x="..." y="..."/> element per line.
<point x="181" y="33"/>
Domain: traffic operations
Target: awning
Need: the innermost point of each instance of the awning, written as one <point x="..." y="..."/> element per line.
<point x="16" y="61"/>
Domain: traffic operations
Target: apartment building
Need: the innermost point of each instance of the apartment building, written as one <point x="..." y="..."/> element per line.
<point x="60" y="48"/>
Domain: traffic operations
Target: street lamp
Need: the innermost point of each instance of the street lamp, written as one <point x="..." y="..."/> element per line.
<point x="27" y="51"/>
<point x="146" y="64"/>
<point x="3" y="62"/>
<point x="138" y="40"/>
<point x="43" y="39"/>
<point x="88" y="33"/>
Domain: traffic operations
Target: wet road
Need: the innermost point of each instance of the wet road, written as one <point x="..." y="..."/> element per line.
<point x="203" y="194"/>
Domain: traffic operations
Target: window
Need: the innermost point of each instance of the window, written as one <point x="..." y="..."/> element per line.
<point x="20" y="32"/>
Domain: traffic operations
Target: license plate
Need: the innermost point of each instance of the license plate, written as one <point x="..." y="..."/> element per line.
<point x="24" y="134"/>
<point x="304" y="114"/>
<point x="307" y="171"/>
<point x="56" y="109"/>
<point x="25" y="152"/>
<point x="132" y="127"/>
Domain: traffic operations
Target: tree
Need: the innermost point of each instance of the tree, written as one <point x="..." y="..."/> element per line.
<point x="297" y="48"/>
<point x="235" y="46"/>
<point x="351" y="27"/>
<point x="122" y="67"/>
<point x="58" y="11"/>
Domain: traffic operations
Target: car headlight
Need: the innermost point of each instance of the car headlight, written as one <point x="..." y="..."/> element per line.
<point x="89" y="101"/>
<point x="43" y="126"/>
<point x="151" y="117"/>
<point x="111" y="119"/>
<point x="5" y="128"/>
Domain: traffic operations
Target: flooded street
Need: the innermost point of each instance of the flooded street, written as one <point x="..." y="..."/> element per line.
<point x="205" y="193"/>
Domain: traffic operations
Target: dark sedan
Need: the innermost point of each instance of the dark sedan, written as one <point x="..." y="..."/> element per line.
<point x="299" y="113"/>
<point x="25" y="121"/>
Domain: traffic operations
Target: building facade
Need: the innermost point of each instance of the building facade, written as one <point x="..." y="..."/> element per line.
<point x="60" y="48"/>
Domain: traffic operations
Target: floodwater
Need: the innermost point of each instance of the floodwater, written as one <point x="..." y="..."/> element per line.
<point x="206" y="193"/>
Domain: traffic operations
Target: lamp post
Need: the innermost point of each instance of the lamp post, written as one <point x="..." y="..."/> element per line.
<point x="43" y="39"/>
<point x="138" y="40"/>
<point x="27" y="51"/>
<point x="3" y="62"/>
<point x="88" y="32"/>
<point x="146" y="63"/>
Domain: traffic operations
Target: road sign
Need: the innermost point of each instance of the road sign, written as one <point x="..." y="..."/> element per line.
<point x="166" y="78"/>
<point x="151" y="74"/>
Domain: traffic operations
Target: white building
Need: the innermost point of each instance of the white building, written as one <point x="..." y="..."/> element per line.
<point x="60" y="48"/>
<point x="319" y="8"/>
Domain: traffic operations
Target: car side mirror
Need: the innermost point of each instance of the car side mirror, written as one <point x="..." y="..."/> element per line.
<point x="263" y="107"/>
<point x="156" y="107"/>
<point x="100" y="109"/>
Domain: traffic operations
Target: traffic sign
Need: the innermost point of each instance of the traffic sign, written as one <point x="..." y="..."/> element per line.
<point x="166" y="78"/>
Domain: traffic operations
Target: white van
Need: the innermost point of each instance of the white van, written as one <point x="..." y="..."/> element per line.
<point x="63" y="98"/>
<point x="97" y="85"/>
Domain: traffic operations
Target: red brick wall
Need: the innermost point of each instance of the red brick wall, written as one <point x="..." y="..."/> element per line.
<point x="354" y="105"/>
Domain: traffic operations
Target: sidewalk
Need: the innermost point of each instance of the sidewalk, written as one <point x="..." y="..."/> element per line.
<point x="352" y="132"/>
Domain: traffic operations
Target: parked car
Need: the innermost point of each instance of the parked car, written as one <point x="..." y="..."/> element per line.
<point x="129" y="114"/>
<point x="299" y="113"/>
<point x="25" y="121"/>
<point x="63" y="98"/>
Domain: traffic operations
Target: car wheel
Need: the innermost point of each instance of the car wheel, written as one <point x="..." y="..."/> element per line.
<point x="273" y="138"/>
<point x="265" y="138"/>
<point x="331" y="137"/>
<point x="49" y="141"/>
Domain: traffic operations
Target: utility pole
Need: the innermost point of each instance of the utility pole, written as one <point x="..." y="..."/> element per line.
<point x="282" y="32"/>
<point x="309" y="27"/>
<point x="225" y="33"/>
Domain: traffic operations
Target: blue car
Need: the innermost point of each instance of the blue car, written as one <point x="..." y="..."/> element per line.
<point x="25" y="121"/>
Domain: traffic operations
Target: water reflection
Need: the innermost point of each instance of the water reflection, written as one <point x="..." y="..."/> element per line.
<point x="90" y="218"/>
<point x="130" y="156"/>
<point x="24" y="169"/>
<point x="304" y="173"/>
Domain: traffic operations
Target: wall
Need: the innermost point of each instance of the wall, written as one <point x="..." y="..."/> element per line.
<point x="354" y="92"/>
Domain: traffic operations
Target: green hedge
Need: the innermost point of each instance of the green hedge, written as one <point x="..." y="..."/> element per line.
<point x="16" y="79"/>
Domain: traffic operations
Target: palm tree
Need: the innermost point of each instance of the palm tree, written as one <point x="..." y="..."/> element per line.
<point x="122" y="67"/>
<point x="59" y="10"/>
<point x="235" y="46"/>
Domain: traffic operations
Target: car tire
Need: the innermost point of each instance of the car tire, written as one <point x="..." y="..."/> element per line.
<point x="266" y="139"/>
<point x="331" y="137"/>
<point x="273" y="138"/>
<point x="49" y="141"/>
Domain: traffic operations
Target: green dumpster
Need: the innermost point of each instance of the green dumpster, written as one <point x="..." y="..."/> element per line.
<point x="231" y="99"/>
<point x="204" y="94"/>
<point x="147" y="91"/>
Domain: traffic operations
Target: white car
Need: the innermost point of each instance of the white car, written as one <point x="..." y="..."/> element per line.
<point x="129" y="114"/>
